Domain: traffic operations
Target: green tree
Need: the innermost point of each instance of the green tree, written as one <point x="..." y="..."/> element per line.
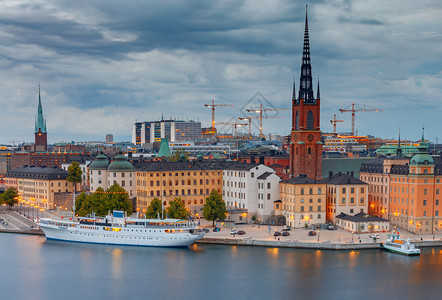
<point x="118" y="199"/>
<point x="10" y="197"/>
<point x="215" y="207"/>
<point x="102" y="202"/>
<point x="154" y="209"/>
<point x="74" y="173"/>
<point x="176" y="209"/>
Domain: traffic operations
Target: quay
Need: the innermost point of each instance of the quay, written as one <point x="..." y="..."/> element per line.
<point x="258" y="236"/>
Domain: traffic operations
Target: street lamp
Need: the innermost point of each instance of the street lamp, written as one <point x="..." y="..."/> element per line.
<point x="352" y="236"/>
<point x="318" y="235"/>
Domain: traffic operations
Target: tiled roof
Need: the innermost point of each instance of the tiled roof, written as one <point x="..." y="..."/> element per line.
<point x="195" y="165"/>
<point x="360" y="217"/>
<point x="265" y="175"/>
<point x="342" y="179"/>
<point x="300" y="180"/>
<point x="38" y="173"/>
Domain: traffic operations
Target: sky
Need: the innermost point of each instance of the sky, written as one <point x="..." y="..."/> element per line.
<point x="103" y="65"/>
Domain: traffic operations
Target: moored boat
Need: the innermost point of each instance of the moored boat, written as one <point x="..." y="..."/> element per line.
<point x="116" y="229"/>
<point x="397" y="245"/>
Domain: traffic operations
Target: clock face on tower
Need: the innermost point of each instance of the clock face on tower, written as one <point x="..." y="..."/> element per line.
<point x="310" y="137"/>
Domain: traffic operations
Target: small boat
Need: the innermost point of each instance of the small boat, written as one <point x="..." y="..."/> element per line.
<point x="397" y="245"/>
<point x="116" y="229"/>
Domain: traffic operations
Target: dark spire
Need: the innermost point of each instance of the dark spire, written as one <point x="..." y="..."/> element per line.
<point x="399" y="149"/>
<point x="317" y="93"/>
<point x="305" y="85"/>
<point x="294" y="90"/>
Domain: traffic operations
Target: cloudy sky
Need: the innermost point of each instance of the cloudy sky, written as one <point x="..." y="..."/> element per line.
<point x="103" y="65"/>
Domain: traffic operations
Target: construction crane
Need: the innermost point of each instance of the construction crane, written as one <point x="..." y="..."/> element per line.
<point x="334" y="121"/>
<point x="249" y="119"/>
<point x="354" y="108"/>
<point x="260" y="111"/>
<point x="234" y="124"/>
<point x="213" y="105"/>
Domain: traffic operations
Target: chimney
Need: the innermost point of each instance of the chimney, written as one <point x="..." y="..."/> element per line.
<point x="330" y="174"/>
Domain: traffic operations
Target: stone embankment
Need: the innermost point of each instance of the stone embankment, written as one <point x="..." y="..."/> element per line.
<point x="12" y="222"/>
<point x="305" y="245"/>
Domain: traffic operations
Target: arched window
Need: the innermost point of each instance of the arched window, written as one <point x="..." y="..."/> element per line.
<point x="297" y="121"/>
<point x="309" y="150"/>
<point x="309" y="120"/>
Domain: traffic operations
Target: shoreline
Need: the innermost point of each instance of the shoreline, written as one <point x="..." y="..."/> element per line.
<point x="307" y="245"/>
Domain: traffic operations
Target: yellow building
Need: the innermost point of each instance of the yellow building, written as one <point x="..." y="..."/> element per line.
<point x="345" y="194"/>
<point x="36" y="186"/>
<point x="303" y="201"/>
<point x="191" y="181"/>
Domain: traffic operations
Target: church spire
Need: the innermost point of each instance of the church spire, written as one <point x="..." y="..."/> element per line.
<point x="317" y="93"/>
<point x="294" y="90"/>
<point x="305" y="85"/>
<point x="40" y="123"/>
<point x="399" y="149"/>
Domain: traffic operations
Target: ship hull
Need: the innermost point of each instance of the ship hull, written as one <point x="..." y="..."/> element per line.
<point x="400" y="251"/>
<point x="126" y="236"/>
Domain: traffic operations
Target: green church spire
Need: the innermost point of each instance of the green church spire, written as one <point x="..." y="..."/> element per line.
<point x="40" y="122"/>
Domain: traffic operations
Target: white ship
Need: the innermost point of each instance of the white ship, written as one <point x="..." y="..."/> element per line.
<point x="116" y="229"/>
<point x="395" y="244"/>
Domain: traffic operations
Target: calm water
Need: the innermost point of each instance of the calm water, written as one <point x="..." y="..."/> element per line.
<point x="33" y="268"/>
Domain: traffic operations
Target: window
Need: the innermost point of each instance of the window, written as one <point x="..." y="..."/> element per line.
<point x="115" y="174"/>
<point x="302" y="208"/>
<point x="310" y="208"/>
<point x="362" y="200"/>
<point x="425" y="191"/>
<point x="310" y="120"/>
<point x="319" y="208"/>
<point x="343" y="190"/>
<point x="311" y="192"/>
<point x="319" y="191"/>
<point x="437" y="201"/>
<point x="351" y="211"/>
<point x="352" y="190"/>
<point x="297" y="121"/>
<point x="343" y="201"/>
<point x="424" y="203"/>
<point x="268" y="185"/>
<point x="352" y="200"/>
<point x="437" y="191"/>
<point x="302" y="191"/>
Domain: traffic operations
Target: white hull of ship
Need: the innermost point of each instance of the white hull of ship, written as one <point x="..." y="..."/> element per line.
<point x="127" y="236"/>
<point x="401" y="250"/>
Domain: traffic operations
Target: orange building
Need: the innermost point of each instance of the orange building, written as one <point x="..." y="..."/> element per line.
<point x="415" y="193"/>
<point x="407" y="192"/>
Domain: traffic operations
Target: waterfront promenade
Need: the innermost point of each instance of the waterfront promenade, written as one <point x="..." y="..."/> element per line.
<point x="256" y="235"/>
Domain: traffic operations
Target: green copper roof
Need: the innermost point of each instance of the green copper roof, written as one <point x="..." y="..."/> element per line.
<point x="164" y="149"/>
<point x="422" y="157"/>
<point x="120" y="163"/>
<point x="100" y="163"/>
<point x="40" y="122"/>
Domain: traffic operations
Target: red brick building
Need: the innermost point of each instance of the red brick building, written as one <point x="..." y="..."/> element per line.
<point x="306" y="145"/>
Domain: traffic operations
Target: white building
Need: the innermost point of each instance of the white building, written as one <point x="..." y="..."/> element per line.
<point x="84" y="166"/>
<point x="252" y="187"/>
<point x="103" y="175"/>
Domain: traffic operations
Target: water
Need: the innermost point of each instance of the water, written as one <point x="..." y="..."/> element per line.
<point x="33" y="268"/>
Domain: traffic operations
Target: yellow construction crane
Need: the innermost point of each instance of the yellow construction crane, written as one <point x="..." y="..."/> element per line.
<point x="354" y="108"/>
<point x="260" y="111"/>
<point x="213" y="105"/>
<point x="334" y="121"/>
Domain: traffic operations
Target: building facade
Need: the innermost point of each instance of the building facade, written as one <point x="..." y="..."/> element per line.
<point x="345" y="194"/>
<point x="250" y="187"/>
<point x="305" y="144"/>
<point x="173" y="130"/>
<point x="120" y="171"/>
<point x="36" y="186"/>
<point x="191" y="181"/>
<point x="303" y="201"/>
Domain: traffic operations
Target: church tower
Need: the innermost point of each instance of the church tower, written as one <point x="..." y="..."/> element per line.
<point x="306" y="145"/>
<point x="41" y="139"/>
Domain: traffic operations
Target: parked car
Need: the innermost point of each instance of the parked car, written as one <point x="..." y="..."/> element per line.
<point x="375" y="235"/>
<point x="240" y="232"/>
<point x="277" y="233"/>
<point x="285" y="233"/>
<point x="233" y="232"/>
<point x="205" y="230"/>
<point x="288" y="228"/>
<point x="330" y="227"/>
<point x="311" y="233"/>
<point x="216" y="229"/>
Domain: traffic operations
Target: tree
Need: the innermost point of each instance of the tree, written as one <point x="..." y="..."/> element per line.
<point x="215" y="207"/>
<point x="176" y="209"/>
<point x="74" y="173"/>
<point x="10" y="197"/>
<point x="101" y="202"/>
<point x="154" y="209"/>
<point x="371" y="227"/>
